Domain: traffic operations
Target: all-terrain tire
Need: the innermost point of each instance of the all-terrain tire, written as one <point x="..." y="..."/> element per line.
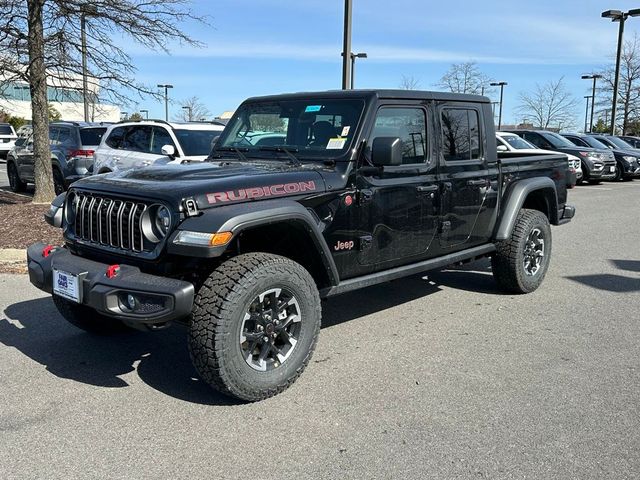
<point x="221" y="307"/>
<point x="88" y="319"/>
<point x="15" y="183"/>
<point x="509" y="262"/>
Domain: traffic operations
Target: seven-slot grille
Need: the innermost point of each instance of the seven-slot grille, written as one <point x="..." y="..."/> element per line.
<point x="107" y="221"/>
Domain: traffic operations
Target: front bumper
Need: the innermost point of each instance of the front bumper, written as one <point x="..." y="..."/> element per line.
<point x="158" y="299"/>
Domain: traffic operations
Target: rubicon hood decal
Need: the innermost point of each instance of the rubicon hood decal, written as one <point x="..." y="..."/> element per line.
<point x="260" y="192"/>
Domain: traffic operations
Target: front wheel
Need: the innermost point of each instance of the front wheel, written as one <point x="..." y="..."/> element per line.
<point x="254" y="326"/>
<point x="520" y="263"/>
<point x="15" y="183"/>
<point x="58" y="181"/>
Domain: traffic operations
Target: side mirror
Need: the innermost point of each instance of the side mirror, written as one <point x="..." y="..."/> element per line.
<point x="502" y="148"/>
<point x="386" y="151"/>
<point x="168" y="150"/>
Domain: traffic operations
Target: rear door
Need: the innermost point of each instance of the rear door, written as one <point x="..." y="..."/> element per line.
<point x="469" y="182"/>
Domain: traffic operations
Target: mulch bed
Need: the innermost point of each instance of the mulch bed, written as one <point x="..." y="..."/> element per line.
<point x="22" y="223"/>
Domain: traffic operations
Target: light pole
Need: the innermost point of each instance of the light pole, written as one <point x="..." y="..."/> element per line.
<point x="85" y="10"/>
<point x="188" y="108"/>
<point x="618" y="16"/>
<point x="146" y="113"/>
<point x="353" y="65"/>
<point x="595" y="77"/>
<point x="501" y="85"/>
<point x="493" y="108"/>
<point x="586" y="113"/>
<point x="346" y="45"/>
<point x="166" y="87"/>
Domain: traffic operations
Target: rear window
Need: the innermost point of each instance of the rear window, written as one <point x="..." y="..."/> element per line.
<point x="92" y="136"/>
<point x="6" y="130"/>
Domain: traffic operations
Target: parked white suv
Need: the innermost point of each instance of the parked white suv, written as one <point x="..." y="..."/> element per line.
<point x="148" y="142"/>
<point x="7" y="139"/>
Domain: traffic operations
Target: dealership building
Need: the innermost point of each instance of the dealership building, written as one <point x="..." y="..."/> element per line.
<point x="65" y="95"/>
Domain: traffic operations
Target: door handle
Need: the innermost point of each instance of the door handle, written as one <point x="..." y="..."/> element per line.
<point x="427" y="188"/>
<point x="477" y="183"/>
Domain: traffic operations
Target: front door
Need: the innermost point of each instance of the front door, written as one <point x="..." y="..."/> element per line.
<point x="469" y="183"/>
<point x="397" y="204"/>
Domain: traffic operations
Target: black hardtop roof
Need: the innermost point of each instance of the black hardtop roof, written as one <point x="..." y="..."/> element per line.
<point x="382" y="94"/>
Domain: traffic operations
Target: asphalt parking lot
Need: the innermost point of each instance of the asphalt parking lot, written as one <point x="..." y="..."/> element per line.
<point x="443" y="377"/>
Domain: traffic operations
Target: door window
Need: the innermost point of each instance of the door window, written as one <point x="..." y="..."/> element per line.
<point x="137" y="139"/>
<point x="114" y="140"/>
<point x="460" y="134"/>
<point x="160" y="138"/>
<point x="537" y="140"/>
<point x="408" y="124"/>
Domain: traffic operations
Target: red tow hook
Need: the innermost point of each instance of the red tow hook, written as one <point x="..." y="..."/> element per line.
<point x="46" y="251"/>
<point x="112" y="271"/>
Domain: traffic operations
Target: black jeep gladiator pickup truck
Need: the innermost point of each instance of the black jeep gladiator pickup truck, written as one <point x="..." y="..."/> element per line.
<point x="303" y="196"/>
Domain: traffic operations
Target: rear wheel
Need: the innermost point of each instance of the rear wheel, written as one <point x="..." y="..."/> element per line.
<point x="254" y="326"/>
<point x="15" y="183"/>
<point x="87" y="318"/>
<point x="58" y="181"/>
<point x="521" y="262"/>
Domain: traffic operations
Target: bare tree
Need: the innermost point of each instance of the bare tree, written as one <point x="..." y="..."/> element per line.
<point x="192" y="110"/>
<point x="549" y="106"/>
<point x="628" y="89"/>
<point x="465" y="78"/>
<point x="40" y="41"/>
<point x="409" y="83"/>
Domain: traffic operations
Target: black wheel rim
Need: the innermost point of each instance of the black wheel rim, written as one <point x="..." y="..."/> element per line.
<point x="533" y="252"/>
<point x="13" y="177"/>
<point x="58" y="185"/>
<point x="270" y="329"/>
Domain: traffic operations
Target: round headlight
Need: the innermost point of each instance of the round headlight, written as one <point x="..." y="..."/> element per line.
<point x="163" y="220"/>
<point x="156" y="221"/>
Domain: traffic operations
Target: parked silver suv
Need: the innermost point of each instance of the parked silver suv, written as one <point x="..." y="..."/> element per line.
<point x="72" y="147"/>
<point x="147" y="142"/>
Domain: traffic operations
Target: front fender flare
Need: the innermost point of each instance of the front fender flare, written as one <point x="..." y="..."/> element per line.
<point x="515" y="198"/>
<point x="239" y="217"/>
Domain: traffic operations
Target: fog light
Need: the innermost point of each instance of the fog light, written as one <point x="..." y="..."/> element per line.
<point x="131" y="302"/>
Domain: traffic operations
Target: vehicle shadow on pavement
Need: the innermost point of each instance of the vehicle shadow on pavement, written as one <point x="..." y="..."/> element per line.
<point x="161" y="359"/>
<point x="474" y="277"/>
<point x="611" y="282"/>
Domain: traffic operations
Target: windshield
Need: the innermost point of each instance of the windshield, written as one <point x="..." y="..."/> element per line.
<point x="92" y="136"/>
<point x="517" y="142"/>
<point x="558" y="141"/>
<point x="309" y="127"/>
<point x="196" y="142"/>
<point x="6" y="130"/>
<point x="593" y="143"/>
<point x="619" y="143"/>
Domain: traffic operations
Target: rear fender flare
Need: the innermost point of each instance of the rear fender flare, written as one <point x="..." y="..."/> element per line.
<point x="516" y="196"/>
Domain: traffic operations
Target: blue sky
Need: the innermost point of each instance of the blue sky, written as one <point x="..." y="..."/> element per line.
<point x="272" y="46"/>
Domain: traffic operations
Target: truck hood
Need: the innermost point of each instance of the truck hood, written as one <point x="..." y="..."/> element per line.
<point x="209" y="184"/>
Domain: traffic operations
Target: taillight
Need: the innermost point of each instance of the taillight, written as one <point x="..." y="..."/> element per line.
<point x="80" y="153"/>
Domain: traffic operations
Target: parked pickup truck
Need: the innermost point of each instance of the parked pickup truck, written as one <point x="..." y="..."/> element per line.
<point x="363" y="187"/>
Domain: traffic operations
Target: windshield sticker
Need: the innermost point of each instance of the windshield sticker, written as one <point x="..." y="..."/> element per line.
<point x="312" y="108"/>
<point x="345" y="131"/>
<point x="336" y="143"/>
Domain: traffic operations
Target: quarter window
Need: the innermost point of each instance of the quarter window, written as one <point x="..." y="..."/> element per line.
<point x="408" y="124"/>
<point x="460" y="134"/>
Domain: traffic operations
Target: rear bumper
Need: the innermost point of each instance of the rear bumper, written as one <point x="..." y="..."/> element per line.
<point x="158" y="299"/>
<point x="565" y="214"/>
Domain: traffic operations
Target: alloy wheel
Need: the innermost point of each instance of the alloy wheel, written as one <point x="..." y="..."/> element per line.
<point x="533" y="252"/>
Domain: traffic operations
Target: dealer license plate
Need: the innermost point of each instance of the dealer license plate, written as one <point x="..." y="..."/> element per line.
<point x="66" y="285"/>
<point x="612" y="169"/>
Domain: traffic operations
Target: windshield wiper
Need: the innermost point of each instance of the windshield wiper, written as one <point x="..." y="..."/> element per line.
<point x="287" y="151"/>
<point x="235" y="150"/>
